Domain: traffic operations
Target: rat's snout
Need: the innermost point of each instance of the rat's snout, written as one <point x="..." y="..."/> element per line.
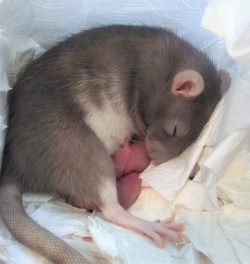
<point x="158" y="151"/>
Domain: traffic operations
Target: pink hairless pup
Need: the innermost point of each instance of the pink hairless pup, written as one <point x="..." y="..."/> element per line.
<point x="129" y="161"/>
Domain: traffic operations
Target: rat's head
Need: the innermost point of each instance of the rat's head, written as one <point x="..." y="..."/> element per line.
<point x="175" y="118"/>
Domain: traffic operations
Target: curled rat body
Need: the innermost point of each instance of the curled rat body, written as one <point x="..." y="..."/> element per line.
<point x="73" y="107"/>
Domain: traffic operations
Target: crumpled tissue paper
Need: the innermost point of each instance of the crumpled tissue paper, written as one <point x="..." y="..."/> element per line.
<point x="219" y="235"/>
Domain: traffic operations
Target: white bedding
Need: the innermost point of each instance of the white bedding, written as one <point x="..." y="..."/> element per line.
<point x="216" y="205"/>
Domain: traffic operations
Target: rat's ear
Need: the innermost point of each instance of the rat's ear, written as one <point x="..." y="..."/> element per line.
<point x="188" y="84"/>
<point x="225" y="80"/>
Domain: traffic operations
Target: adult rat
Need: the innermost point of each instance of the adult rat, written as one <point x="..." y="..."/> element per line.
<point x="73" y="107"/>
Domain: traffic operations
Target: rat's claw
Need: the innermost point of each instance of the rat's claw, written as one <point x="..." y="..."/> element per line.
<point x="176" y="227"/>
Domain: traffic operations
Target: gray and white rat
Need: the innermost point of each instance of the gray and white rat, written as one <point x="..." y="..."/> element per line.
<point x="73" y="107"/>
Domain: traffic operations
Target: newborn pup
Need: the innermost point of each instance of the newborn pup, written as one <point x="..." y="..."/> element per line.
<point x="74" y="106"/>
<point x="129" y="161"/>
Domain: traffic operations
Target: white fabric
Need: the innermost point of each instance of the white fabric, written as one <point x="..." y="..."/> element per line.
<point x="219" y="235"/>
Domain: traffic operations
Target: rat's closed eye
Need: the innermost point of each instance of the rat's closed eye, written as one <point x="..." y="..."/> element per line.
<point x="175" y="131"/>
<point x="170" y="129"/>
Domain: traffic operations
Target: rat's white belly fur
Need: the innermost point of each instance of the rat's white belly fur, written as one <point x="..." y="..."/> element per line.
<point x="111" y="126"/>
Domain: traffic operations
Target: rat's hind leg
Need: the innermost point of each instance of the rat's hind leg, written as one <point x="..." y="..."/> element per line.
<point x="82" y="164"/>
